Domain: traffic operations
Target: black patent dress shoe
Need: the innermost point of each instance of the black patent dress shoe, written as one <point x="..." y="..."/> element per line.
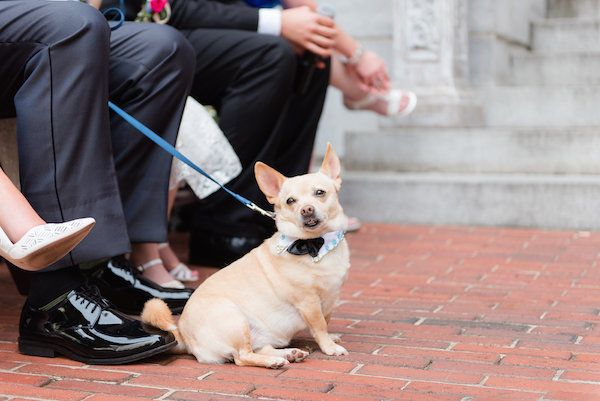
<point x="123" y="285"/>
<point x="84" y="327"/>
<point x="217" y="250"/>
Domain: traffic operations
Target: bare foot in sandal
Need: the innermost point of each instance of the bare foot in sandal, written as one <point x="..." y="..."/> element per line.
<point x="395" y="103"/>
<point x="146" y="256"/>
<point x="176" y="269"/>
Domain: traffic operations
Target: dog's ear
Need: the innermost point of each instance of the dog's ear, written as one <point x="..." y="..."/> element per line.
<point x="269" y="180"/>
<point x="331" y="166"/>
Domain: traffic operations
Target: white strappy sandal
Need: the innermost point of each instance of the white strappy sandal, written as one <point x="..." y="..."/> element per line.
<point x="393" y="99"/>
<point x="169" y="284"/>
<point x="181" y="272"/>
<point x="43" y="245"/>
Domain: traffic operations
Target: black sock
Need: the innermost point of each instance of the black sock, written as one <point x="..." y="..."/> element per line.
<point x="47" y="286"/>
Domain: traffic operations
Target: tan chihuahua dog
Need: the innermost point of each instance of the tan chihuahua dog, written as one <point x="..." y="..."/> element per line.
<point x="248" y="311"/>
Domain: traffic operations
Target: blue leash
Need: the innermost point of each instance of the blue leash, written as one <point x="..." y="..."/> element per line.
<point x="118" y="12"/>
<point x="177" y="154"/>
<point x="161" y="142"/>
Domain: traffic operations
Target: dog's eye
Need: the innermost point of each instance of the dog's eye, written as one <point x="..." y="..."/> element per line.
<point x="320" y="192"/>
<point x="289" y="201"/>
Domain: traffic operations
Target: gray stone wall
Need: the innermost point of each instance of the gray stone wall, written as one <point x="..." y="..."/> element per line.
<point x="573" y="9"/>
<point x="498" y="29"/>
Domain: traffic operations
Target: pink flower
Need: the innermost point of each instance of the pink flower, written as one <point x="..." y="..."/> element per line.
<point x="157" y="5"/>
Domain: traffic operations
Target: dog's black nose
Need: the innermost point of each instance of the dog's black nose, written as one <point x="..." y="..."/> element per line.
<point x="307" y="211"/>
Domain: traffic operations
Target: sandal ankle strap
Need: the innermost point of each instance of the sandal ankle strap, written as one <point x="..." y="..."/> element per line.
<point x="366" y="101"/>
<point x="151" y="263"/>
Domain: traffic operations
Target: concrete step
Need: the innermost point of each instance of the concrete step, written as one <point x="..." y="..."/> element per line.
<point x="444" y="111"/>
<point x="543" y="106"/>
<point x="556" y="69"/>
<point x="545" y="201"/>
<point x="573" y="8"/>
<point x="483" y="150"/>
<point x="566" y="35"/>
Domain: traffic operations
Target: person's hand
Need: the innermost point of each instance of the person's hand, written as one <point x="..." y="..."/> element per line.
<point x="372" y="71"/>
<point x="353" y="75"/>
<point x="307" y="30"/>
<point x="95" y="3"/>
<point x="297" y="3"/>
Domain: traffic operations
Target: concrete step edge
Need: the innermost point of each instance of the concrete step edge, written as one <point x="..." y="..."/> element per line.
<point x="562" y="22"/>
<point x="473" y="178"/>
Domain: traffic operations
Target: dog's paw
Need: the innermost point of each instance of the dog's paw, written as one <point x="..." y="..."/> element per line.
<point x="278" y="363"/>
<point x="335" y="337"/>
<point x="296" y="355"/>
<point x="335" y="349"/>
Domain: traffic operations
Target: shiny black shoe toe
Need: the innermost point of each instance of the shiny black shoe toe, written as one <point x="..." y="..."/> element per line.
<point x="123" y="285"/>
<point x="84" y="327"/>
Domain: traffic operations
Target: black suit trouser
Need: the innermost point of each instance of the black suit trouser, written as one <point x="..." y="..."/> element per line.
<point x="59" y="65"/>
<point x="249" y="78"/>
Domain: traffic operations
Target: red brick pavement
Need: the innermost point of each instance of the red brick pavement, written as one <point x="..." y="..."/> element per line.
<point x="453" y="314"/>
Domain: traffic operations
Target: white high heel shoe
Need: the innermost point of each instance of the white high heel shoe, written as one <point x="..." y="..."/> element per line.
<point x="43" y="245"/>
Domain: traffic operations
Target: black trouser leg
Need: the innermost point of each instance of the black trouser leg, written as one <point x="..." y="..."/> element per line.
<point x="250" y="78"/>
<point x="151" y="71"/>
<point x="59" y="99"/>
<point x="64" y="136"/>
<point x="54" y="72"/>
<point x="302" y="118"/>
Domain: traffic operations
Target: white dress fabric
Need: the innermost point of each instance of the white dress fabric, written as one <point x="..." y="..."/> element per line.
<point x="202" y="141"/>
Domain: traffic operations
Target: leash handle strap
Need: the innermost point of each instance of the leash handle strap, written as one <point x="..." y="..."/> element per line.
<point x="154" y="137"/>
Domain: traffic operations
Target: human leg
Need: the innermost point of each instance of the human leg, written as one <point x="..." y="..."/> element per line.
<point x="152" y="85"/>
<point x="66" y="172"/>
<point x="151" y="70"/>
<point x="26" y="240"/>
<point x="16" y="215"/>
<point x="249" y="78"/>
<point x="147" y="257"/>
<point x="299" y="126"/>
<point x="48" y="86"/>
<point x="59" y="99"/>
<point x="344" y="80"/>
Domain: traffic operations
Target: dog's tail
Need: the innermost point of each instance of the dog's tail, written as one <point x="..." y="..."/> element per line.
<point x="156" y="313"/>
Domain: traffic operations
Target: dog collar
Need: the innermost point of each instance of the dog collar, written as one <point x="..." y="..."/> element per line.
<point x="330" y="241"/>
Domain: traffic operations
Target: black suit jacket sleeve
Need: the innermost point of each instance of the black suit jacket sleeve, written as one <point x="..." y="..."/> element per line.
<point x="194" y="14"/>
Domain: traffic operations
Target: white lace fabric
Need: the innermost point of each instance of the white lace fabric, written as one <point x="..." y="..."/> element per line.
<point x="203" y="142"/>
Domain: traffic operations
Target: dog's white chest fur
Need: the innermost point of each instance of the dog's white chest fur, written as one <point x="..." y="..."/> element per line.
<point x="277" y="327"/>
<point x="325" y="278"/>
<point x="247" y="311"/>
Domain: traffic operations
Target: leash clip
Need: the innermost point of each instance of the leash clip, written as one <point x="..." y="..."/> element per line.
<point x="262" y="211"/>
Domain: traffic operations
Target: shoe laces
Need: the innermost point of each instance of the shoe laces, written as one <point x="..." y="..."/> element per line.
<point x="89" y="296"/>
<point x="125" y="264"/>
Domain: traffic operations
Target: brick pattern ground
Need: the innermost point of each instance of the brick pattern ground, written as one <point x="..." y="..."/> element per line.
<point x="452" y="314"/>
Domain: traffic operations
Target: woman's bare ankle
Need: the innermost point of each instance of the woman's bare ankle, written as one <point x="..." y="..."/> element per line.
<point x="168" y="256"/>
<point x="142" y="254"/>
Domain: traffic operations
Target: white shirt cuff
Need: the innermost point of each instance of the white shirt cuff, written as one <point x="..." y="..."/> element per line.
<point x="269" y="21"/>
